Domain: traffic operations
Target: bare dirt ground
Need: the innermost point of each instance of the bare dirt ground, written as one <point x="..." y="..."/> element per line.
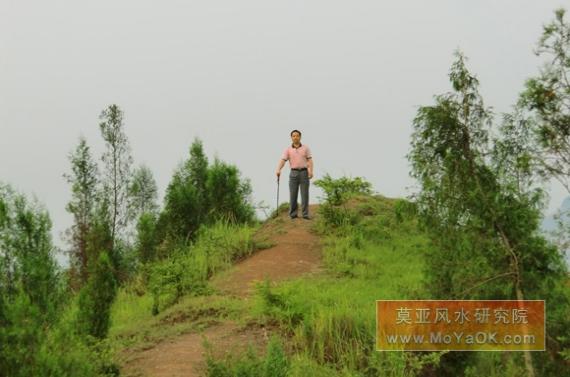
<point x="296" y="252"/>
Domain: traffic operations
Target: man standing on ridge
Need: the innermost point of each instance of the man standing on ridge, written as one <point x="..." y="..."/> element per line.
<point x="301" y="163"/>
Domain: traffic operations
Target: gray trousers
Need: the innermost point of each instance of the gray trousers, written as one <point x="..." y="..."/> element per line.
<point x="299" y="179"/>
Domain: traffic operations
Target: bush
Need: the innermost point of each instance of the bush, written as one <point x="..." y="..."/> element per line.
<point x="228" y="194"/>
<point x="337" y="193"/>
<point x="201" y="194"/>
<point x="146" y="237"/>
<point x="96" y="298"/>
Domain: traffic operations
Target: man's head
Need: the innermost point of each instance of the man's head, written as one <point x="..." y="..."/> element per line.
<point x="296" y="136"/>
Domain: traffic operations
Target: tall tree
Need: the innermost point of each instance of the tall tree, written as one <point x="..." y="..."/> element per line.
<point x="478" y="203"/>
<point x="143" y="193"/>
<point x="547" y="97"/>
<point x="117" y="168"/>
<point x="83" y="179"/>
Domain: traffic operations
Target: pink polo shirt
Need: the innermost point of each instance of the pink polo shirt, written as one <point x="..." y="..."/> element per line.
<point x="297" y="157"/>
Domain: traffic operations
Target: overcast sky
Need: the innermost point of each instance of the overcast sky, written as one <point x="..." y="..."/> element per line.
<point x="241" y="75"/>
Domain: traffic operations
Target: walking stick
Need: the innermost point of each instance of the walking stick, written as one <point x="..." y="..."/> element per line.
<point x="277" y="208"/>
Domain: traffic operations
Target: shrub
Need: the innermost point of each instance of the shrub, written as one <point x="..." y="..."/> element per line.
<point x="337" y="193"/>
<point x="96" y="298"/>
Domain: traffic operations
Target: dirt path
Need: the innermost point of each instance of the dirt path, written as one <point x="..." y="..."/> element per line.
<point x="295" y="252"/>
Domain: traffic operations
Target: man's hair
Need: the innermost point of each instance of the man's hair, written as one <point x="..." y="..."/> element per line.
<point x="292" y="132"/>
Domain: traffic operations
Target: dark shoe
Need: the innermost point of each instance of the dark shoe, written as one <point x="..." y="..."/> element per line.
<point x="306" y="217"/>
<point x="293" y="217"/>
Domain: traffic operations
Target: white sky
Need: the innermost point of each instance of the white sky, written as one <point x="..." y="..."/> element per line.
<point x="241" y="75"/>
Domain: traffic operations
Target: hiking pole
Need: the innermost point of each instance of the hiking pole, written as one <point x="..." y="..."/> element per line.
<point x="277" y="208"/>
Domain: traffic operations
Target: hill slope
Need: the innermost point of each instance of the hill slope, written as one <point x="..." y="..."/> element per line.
<point x="296" y="252"/>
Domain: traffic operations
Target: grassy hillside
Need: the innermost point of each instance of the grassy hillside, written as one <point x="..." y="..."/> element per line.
<point x="325" y="322"/>
<point x="318" y="325"/>
<point x="329" y="320"/>
<point x="173" y="296"/>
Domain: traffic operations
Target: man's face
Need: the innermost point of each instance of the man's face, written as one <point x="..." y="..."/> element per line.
<point x="296" y="138"/>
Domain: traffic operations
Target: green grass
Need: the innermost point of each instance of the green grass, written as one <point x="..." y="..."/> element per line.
<point x="327" y="321"/>
<point x="273" y="364"/>
<point x="323" y="325"/>
<point x="330" y="319"/>
<point x="373" y="249"/>
<point x="191" y="313"/>
<point x="187" y="271"/>
<point x="186" y="302"/>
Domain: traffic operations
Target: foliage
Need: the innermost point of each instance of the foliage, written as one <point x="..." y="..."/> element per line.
<point x="337" y="193"/>
<point x="201" y="194"/>
<point x="547" y="98"/>
<point x="96" y="298"/>
<point x="179" y="219"/>
<point x="229" y="195"/>
<point x="327" y="318"/>
<point x="197" y="170"/>
<point x="274" y="364"/>
<point x="146" y="237"/>
<point x="117" y="162"/>
<point x="83" y="179"/>
<point x="478" y="203"/>
<point x="186" y="272"/>
<point x="37" y="336"/>
<point x="142" y="193"/>
<point x="27" y="266"/>
<point x="100" y="233"/>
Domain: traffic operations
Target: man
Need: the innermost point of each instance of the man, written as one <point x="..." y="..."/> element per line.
<point x="301" y="163"/>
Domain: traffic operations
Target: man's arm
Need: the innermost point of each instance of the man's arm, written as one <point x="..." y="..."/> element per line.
<point x="310" y="167"/>
<point x="279" y="167"/>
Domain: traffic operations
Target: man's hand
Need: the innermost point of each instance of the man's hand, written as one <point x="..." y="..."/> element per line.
<point x="279" y="167"/>
<point x="310" y="174"/>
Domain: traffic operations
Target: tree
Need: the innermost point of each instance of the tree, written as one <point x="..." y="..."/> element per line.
<point x="117" y="168"/>
<point x="199" y="194"/>
<point x="197" y="165"/>
<point x="478" y="203"/>
<point x="547" y="98"/>
<point x="31" y="293"/>
<point x="26" y="252"/>
<point x="186" y="203"/>
<point x="229" y="196"/>
<point x="142" y="193"/>
<point x="100" y="236"/>
<point x="83" y="179"/>
<point x="179" y="219"/>
<point x="194" y="172"/>
<point x="96" y="298"/>
<point x="146" y="237"/>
